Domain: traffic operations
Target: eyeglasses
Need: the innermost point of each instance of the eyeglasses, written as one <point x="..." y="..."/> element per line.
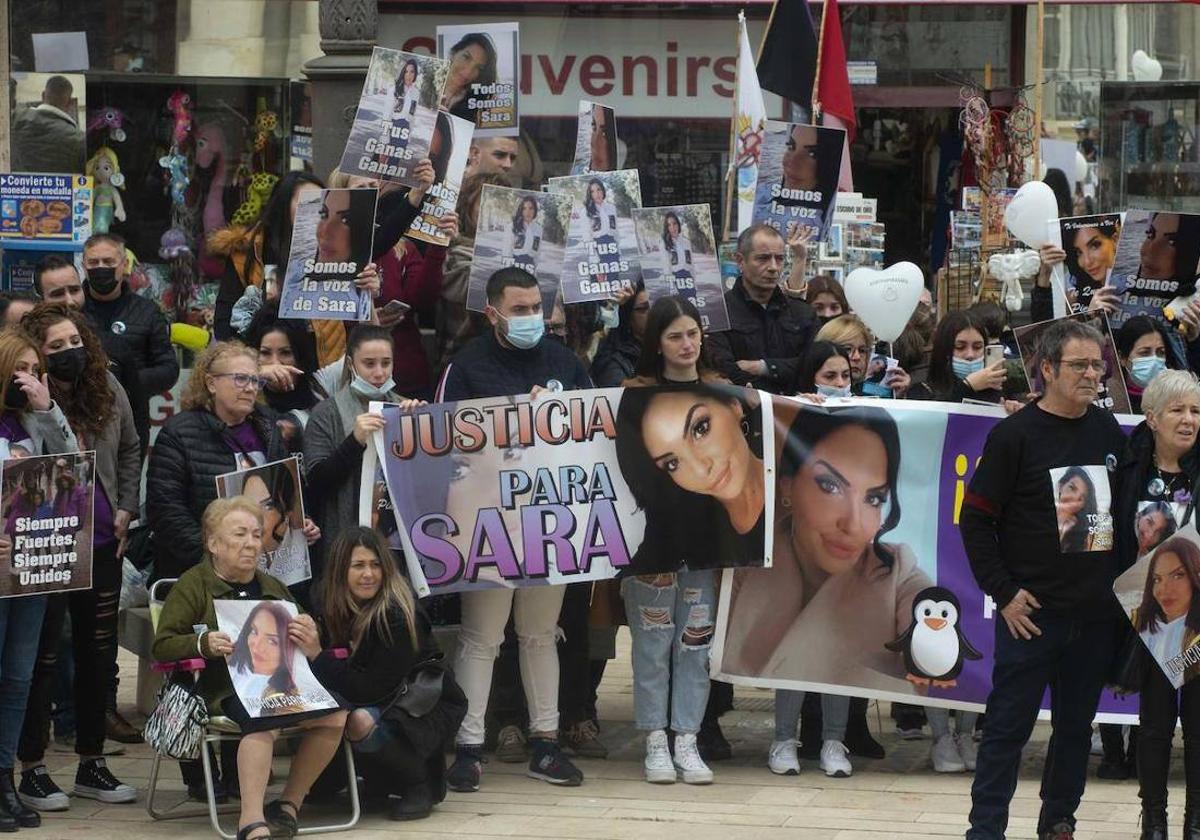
<point x="1081" y="366"/>
<point x="243" y="381"/>
<point x="854" y="350"/>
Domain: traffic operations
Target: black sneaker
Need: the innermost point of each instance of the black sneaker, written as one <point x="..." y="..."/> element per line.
<point x="39" y="791"/>
<point x="93" y="780"/>
<point x="463" y="775"/>
<point x="710" y="740"/>
<point x="549" y="764"/>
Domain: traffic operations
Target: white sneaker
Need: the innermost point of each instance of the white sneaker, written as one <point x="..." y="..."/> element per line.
<point x="835" y="760"/>
<point x="944" y="756"/>
<point x="967" y="750"/>
<point x="1097" y="744"/>
<point x="658" y="765"/>
<point x="689" y="762"/>
<point x="782" y="758"/>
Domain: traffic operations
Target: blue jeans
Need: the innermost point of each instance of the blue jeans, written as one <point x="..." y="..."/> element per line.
<point x="672" y="629"/>
<point x="1072" y="657"/>
<point x="20" y="629"/>
<point x="835" y="713"/>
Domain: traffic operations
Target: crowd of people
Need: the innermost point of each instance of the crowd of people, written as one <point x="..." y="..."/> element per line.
<point x="80" y="359"/>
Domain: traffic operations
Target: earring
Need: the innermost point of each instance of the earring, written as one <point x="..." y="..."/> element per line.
<point x="745" y="427"/>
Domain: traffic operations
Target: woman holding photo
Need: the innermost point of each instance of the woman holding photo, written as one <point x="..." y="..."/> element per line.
<point x="370" y="610"/>
<point x="261" y="662"/>
<point x="285" y="547"/>
<point x="100" y="415"/>
<point x="31" y="422"/>
<point x="1090" y="253"/>
<point x="232" y="534"/>
<point x="1160" y="469"/>
<point x="957" y="370"/>
<point x="472" y="61"/>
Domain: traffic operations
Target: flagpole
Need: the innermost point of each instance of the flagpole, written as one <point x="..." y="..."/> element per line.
<point x="767" y="31"/>
<point x="1037" y="89"/>
<point x="731" y="170"/>
<point x="816" y="102"/>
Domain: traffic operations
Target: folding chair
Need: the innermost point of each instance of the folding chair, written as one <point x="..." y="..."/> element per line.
<point x="221" y="729"/>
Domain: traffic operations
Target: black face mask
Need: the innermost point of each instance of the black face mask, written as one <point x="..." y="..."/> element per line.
<point x="15" y="399"/>
<point x="102" y="279"/>
<point x="67" y="365"/>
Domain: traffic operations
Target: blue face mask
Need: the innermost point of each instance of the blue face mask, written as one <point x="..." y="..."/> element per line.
<point x="1145" y="368"/>
<point x="610" y="316"/>
<point x="833" y="391"/>
<point x="965" y="367"/>
<point x="525" y="331"/>
<point x="368" y="391"/>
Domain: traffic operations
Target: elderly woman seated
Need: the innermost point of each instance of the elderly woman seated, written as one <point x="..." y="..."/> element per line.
<point x="232" y="534"/>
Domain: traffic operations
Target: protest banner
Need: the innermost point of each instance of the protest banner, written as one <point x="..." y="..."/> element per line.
<point x="595" y="139"/>
<point x="482" y="85"/>
<point x="906" y="466"/>
<point x="331" y="243"/>
<point x="396" y="116"/>
<point x="602" y="248"/>
<point x="277" y="489"/>
<point x="49" y="505"/>
<point x="678" y="255"/>
<point x="574" y="486"/>
<point x="45" y="211"/>
<point x="1160" y="593"/>
<point x="1091" y="246"/>
<point x="519" y="228"/>
<point x="798" y="177"/>
<point x="270" y="675"/>
<point x="449" y="151"/>
<point x="1157" y="262"/>
<point x="1112" y="393"/>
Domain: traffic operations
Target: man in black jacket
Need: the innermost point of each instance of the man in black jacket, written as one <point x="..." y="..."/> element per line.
<point x="768" y="330"/>
<point x="130" y="326"/>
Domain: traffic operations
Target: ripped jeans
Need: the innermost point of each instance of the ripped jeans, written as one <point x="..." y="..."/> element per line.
<point x="672" y="629"/>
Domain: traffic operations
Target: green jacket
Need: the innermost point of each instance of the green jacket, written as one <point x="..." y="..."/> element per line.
<point x="190" y="603"/>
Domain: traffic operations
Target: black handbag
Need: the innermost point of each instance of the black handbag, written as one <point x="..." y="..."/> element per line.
<point x="420" y="691"/>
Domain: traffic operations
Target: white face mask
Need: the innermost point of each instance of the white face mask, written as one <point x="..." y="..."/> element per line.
<point x="368" y="391"/>
<point x="833" y="391"/>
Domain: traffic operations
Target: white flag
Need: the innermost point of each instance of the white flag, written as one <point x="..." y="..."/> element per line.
<point x="747" y="127"/>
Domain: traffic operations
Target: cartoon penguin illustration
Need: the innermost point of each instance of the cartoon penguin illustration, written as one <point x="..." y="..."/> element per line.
<point x="933" y="645"/>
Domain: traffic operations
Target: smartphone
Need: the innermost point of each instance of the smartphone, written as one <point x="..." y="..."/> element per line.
<point x="395" y="307"/>
<point x="993" y="353"/>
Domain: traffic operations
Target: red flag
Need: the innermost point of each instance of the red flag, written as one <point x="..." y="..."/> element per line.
<point x="833" y="89"/>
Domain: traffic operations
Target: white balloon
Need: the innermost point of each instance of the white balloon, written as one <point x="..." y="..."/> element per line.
<point x="1081" y="167"/>
<point x="885" y="298"/>
<point x="1145" y="68"/>
<point x="1028" y="214"/>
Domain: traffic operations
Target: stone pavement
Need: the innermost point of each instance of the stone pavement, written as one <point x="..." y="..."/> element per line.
<point x="898" y="797"/>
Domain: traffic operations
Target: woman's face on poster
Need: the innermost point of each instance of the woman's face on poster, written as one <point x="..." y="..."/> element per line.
<point x="274" y="519"/>
<point x="838" y="498"/>
<point x="465" y="67"/>
<point x="672" y="226"/>
<point x="1072" y="495"/>
<point x="698" y="441"/>
<point x="596" y="191"/>
<point x="1158" y="248"/>
<point x="265" y="642"/>
<point x="333" y="227"/>
<point x="1150" y="529"/>
<point x="800" y="158"/>
<point x="1172" y="585"/>
<point x="599" y="139"/>
<point x="1094" y="252"/>
<point x="410" y="74"/>
<point x="529" y="210"/>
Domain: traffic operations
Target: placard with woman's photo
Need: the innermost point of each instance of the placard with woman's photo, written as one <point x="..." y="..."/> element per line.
<point x="276" y="487"/>
<point x="679" y="257"/>
<point x="602" y="249"/>
<point x="481" y="86"/>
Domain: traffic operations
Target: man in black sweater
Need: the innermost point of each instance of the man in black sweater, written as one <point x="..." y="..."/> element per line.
<point x="768" y="330"/>
<point x="1038" y="531"/>
<point x="515" y="359"/>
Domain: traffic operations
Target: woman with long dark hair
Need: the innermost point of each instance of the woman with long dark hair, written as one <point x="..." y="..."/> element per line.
<point x="957" y="370"/>
<point x="287" y="359"/>
<point x="472" y="61"/>
<point x="526" y="235"/>
<point x="824" y="371"/>
<point x="397" y="122"/>
<point x="600" y="223"/>
<point x="1143" y="352"/>
<point x="678" y="250"/>
<point x="1075" y="501"/>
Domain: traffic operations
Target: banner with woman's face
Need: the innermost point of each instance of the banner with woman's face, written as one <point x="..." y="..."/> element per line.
<point x="332" y="239"/>
<point x="1156" y="265"/>
<point x="1090" y="243"/>
<point x="276" y="488"/>
<point x="270" y="675"/>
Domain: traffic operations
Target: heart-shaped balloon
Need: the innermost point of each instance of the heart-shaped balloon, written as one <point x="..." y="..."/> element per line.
<point x="885" y="298"/>
<point x="1081" y="167"/>
<point x="1028" y="213"/>
<point x="1145" y="68"/>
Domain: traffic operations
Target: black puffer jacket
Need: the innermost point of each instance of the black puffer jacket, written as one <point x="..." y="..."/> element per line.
<point x="777" y="333"/>
<point x="134" y="326"/>
<point x="191" y="450"/>
<point x="485" y="368"/>
<point x="615" y="359"/>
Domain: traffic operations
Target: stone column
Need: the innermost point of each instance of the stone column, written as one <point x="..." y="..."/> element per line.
<point x="348" y="32"/>
<point x="224" y="39"/>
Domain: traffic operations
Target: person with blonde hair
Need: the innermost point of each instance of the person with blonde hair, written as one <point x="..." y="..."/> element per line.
<point x="851" y="334"/>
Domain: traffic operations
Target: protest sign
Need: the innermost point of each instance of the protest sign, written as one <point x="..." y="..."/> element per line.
<point x="1112" y="393"/>
<point x="1157" y="261"/>
<point x="277" y="489"/>
<point x="482" y="85"/>
<point x="595" y="139"/>
<point x="449" y="151"/>
<point x="678" y="254"/>
<point x="519" y="228"/>
<point x="1091" y="246"/>
<point x="270" y="675"/>
<point x="854" y="207"/>
<point x="574" y="486"/>
<point x="798" y="177"/>
<point x="397" y="113"/>
<point x="48" y="513"/>
<point x="1159" y="593"/>
<point x="602" y="248"/>
<point x="906" y="466"/>
<point x="45" y="211"/>
<point x="331" y="243"/>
